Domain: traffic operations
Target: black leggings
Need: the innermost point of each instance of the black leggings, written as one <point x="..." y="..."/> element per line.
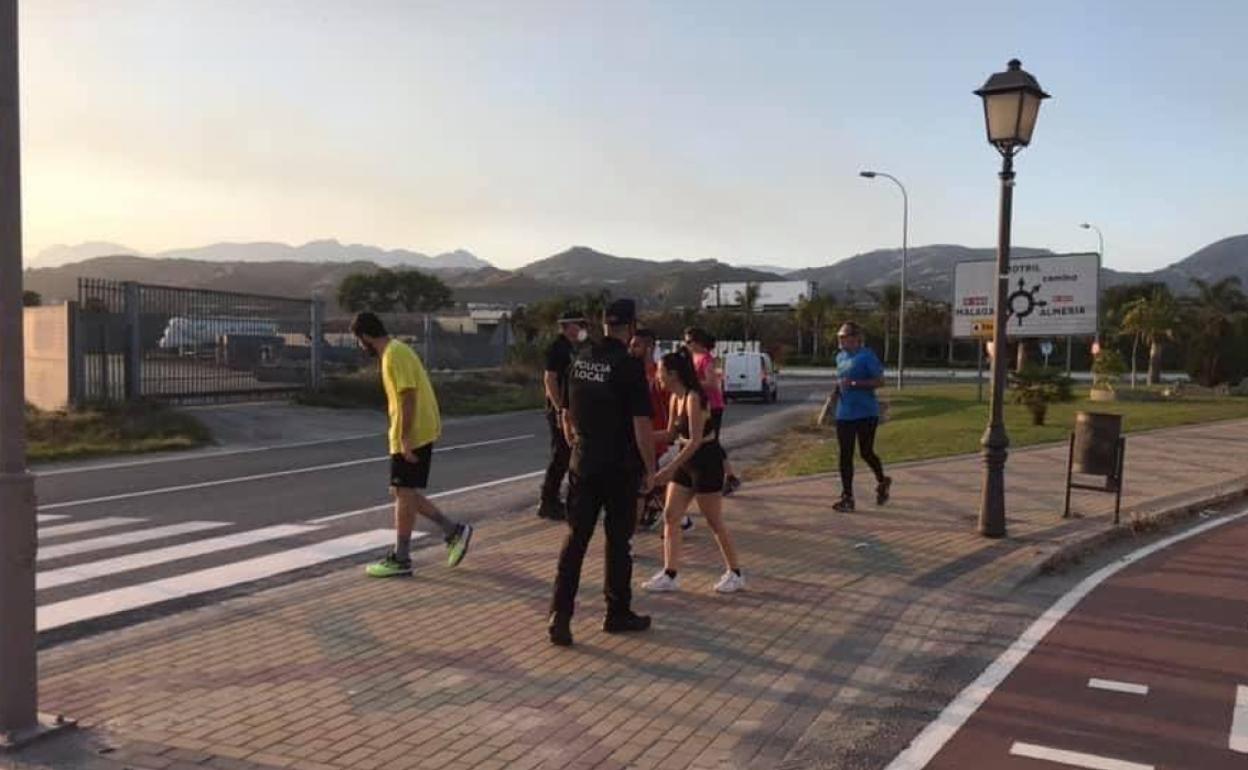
<point x="863" y="431"/>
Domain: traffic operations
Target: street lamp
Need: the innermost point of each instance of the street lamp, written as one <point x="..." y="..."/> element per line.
<point x="1100" y="255"/>
<point x="1011" y="105"/>
<point x="901" y="312"/>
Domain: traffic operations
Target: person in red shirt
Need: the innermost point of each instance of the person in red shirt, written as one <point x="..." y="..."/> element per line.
<point x="642" y="346"/>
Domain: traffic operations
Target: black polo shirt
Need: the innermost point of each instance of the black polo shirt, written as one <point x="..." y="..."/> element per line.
<point x="558" y="359"/>
<point x="606" y="389"/>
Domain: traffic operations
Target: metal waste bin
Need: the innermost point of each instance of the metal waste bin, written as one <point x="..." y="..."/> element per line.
<point x="1096" y="443"/>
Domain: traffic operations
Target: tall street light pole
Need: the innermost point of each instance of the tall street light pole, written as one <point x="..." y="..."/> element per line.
<point x="18" y="688"/>
<point x="1011" y="105"/>
<point x="1100" y="255"/>
<point x="905" y="237"/>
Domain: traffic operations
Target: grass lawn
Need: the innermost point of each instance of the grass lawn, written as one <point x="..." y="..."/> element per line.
<point x="940" y="420"/>
<point x="458" y="394"/>
<point x="95" y="432"/>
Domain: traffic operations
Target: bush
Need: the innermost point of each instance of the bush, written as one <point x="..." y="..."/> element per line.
<point x="1036" y="388"/>
<point x="1107" y="368"/>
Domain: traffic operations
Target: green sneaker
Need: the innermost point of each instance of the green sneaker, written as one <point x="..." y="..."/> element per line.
<point x="457" y="546"/>
<point x="389" y="567"/>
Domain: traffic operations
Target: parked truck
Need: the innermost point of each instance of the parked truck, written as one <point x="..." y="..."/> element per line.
<point x="772" y="295"/>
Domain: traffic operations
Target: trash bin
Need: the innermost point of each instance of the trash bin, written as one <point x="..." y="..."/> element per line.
<point x="1096" y="443"/>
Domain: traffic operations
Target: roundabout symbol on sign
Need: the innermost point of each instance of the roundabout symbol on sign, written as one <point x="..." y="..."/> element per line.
<point x="1022" y="302"/>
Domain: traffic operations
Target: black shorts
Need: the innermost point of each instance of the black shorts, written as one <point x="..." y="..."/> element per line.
<point x="704" y="473"/>
<point x="405" y="475"/>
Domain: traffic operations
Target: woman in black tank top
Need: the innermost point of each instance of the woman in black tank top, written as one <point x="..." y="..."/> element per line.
<point x="697" y="472"/>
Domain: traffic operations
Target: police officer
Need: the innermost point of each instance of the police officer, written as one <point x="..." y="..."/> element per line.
<point x="558" y="358"/>
<point x="607" y="418"/>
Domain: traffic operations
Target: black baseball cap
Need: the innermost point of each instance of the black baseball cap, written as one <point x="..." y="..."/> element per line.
<point x="621" y="312"/>
<point x="572" y="316"/>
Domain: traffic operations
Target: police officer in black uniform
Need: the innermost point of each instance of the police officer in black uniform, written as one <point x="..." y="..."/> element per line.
<point x="558" y="359"/>
<point x="607" y="417"/>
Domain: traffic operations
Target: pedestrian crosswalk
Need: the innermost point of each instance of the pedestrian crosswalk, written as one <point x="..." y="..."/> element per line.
<point x="93" y="568"/>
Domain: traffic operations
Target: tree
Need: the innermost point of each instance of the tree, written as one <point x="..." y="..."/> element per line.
<point x="812" y="315"/>
<point x="1215" y="313"/>
<point x="31" y="299"/>
<point x="1153" y="320"/>
<point x="888" y="300"/>
<point x="386" y="290"/>
<point x="748" y="299"/>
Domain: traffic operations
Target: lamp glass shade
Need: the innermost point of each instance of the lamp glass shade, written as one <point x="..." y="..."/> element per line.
<point x="1001" y="111"/>
<point x="1030" y="110"/>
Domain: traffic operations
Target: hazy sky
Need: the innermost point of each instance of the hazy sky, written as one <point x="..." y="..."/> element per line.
<point x="678" y="129"/>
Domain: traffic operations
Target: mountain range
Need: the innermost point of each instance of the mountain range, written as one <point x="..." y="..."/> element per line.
<point x="327" y="250"/>
<point x="318" y="268"/>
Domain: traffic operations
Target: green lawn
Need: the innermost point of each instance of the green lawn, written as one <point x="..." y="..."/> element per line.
<point x="941" y="420"/>
<point x="95" y="432"/>
<point x="458" y="394"/>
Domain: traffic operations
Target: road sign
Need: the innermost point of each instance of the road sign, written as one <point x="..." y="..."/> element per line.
<point x="1046" y="348"/>
<point x="1048" y="296"/>
<point x="983" y="329"/>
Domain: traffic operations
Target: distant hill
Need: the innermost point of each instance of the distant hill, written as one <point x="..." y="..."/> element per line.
<point x="929" y="269"/>
<point x="314" y="251"/>
<point x="578" y="270"/>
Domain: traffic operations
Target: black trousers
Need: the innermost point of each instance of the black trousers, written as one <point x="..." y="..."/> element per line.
<point x="863" y="432"/>
<point x="560" y="452"/>
<point x="615" y="492"/>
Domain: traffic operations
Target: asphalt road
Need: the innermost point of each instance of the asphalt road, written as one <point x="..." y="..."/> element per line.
<point x="1149" y="670"/>
<point x="135" y="537"/>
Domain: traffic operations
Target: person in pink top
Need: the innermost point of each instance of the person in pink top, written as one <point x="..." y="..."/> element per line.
<point x="700" y="344"/>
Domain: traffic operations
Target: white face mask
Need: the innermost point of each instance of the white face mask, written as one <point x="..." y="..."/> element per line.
<point x="582" y="335"/>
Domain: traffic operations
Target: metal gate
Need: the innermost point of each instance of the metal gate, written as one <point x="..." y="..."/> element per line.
<point x="141" y="341"/>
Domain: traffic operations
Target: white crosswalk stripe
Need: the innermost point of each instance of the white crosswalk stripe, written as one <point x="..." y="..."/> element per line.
<point x="189" y="558"/>
<point x="97" y="605"/>
<point x="47" y="553"/>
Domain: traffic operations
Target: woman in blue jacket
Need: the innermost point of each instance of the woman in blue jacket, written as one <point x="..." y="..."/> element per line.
<point x="858" y="374"/>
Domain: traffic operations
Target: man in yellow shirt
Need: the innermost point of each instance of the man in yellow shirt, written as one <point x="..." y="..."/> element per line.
<point x="414" y="426"/>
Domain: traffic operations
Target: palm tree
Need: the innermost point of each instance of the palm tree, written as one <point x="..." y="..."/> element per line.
<point x="747" y="300"/>
<point x="812" y="314"/>
<point x="1215" y="312"/>
<point x="889" y="301"/>
<point x="1153" y="320"/>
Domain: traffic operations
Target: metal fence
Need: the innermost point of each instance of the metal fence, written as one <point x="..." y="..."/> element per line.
<point x="139" y="341"/>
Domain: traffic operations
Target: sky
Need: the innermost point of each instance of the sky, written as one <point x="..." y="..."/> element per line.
<point x="659" y="130"/>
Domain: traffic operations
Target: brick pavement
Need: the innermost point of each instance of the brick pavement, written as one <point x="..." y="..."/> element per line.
<point x="451" y="668"/>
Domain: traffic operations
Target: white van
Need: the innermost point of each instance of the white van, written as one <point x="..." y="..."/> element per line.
<point x="750" y="375"/>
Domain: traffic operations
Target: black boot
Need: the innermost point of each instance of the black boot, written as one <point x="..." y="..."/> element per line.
<point x="560" y="629"/>
<point x="625" y="622"/>
<point x="882" y="489"/>
<point x="844" y="505"/>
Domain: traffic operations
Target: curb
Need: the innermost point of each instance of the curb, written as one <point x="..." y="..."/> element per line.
<point x="1165" y="518"/>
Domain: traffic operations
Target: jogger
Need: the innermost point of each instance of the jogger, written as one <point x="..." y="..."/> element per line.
<point x="859" y="373"/>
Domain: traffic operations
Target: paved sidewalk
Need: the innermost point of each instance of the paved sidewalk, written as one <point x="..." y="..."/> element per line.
<point x="845" y="615"/>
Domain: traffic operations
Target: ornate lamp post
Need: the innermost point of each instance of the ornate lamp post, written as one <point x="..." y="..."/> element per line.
<point x="1011" y="105"/>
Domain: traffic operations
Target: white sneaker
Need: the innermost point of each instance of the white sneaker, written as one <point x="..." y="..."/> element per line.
<point x="686" y="523"/>
<point x="661" y="582"/>
<point x="730" y="583"/>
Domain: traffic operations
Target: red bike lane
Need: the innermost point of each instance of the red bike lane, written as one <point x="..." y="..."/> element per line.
<point x="1149" y="670"/>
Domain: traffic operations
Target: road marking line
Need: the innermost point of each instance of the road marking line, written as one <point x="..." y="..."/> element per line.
<point x="98" y="605"/>
<point x="204" y="455"/>
<point x="106" y="567"/>
<point x="1074" y="758"/>
<point x="263" y="476"/>
<point x="85" y="526"/>
<point x="41" y="518"/>
<point x="1239" y="722"/>
<point x="435" y="496"/>
<point x="936" y="734"/>
<point x="1116" y="686"/>
<point x="126" y="538"/>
